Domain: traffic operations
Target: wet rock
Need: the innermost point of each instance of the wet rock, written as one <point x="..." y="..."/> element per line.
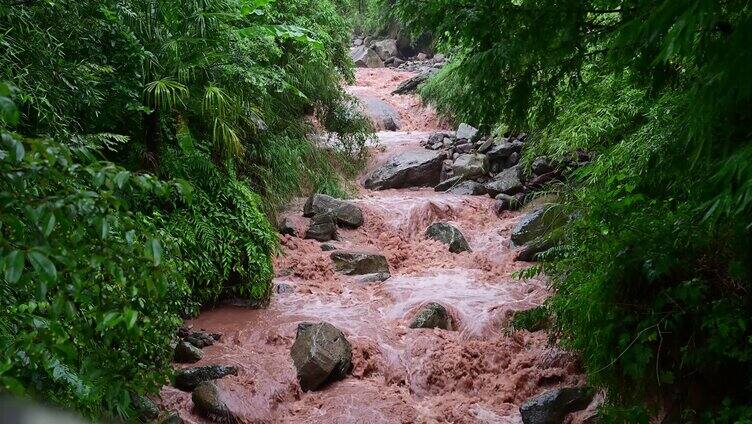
<point x="390" y="124"/>
<point x="541" y="180"/>
<point x="380" y="113"/>
<point x="287" y="227"/>
<point x="468" y="188"/>
<point x="502" y="149"/>
<point x="386" y="49"/>
<point x="432" y="315"/>
<point x="328" y="247"/>
<point x="373" y="278"/>
<point x="463" y="148"/>
<point x="512" y="160"/>
<point x="536" y="224"/>
<point x="414" y="168"/>
<point x="422" y="56"/>
<point x="189" y="378"/>
<point x="412" y="84"/>
<point x="208" y="402"/>
<point x="322" y="228"/>
<point x="541" y="165"/>
<point x="186" y="353"/>
<point x="553" y="406"/>
<point x="471" y="165"/>
<point x="449" y="183"/>
<point x="530" y="251"/>
<point x="283" y="288"/>
<point x="448" y="235"/>
<point x="485" y="145"/>
<point x="366" y="57"/>
<point x="321" y="353"/>
<point x="505" y="202"/>
<point x="346" y="213"/>
<point x="506" y="182"/>
<point x="172" y="419"/>
<point x="199" y="339"/>
<point x="357" y="42"/>
<point x="359" y="263"/>
<point x="146" y="409"/>
<point x="467" y="132"/>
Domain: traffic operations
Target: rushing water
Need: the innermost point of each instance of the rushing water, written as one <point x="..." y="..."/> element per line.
<point x="477" y="374"/>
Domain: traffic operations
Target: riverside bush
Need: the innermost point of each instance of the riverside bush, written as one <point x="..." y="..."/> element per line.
<point x="652" y="277"/>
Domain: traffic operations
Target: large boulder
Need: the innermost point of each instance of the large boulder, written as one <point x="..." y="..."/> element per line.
<point x="432" y="315"/>
<point x="382" y="115"/>
<point x="448" y="235"/>
<point x="386" y="49"/>
<point x="535" y="224"/>
<point x="449" y="183"/>
<point x="506" y="182"/>
<point x="366" y="57"/>
<point x="466" y="132"/>
<point x="413" y="168"/>
<point x="553" y="406"/>
<point x="323" y="227"/>
<point x="502" y="149"/>
<point x="359" y="263"/>
<point x="320" y="353"/>
<point x="209" y="403"/>
<point x="186" y="353"/>
<point x="189" y="378"/>
<point x="471" y="165"/>
<point x="346" y="213"/>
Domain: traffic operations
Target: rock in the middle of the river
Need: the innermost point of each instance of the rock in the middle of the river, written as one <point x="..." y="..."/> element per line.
<point x="448" y="235"/>
<point x="415" y="168"/>
<point x="359" y="263"/>
<point x="321" y="353"/>
<point x="346" y="213"/>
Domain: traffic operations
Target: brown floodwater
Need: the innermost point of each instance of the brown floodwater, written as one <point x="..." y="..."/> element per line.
<point x="479" y="373"/>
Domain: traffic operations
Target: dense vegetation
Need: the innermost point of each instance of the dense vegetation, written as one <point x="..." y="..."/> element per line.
<point x="653" y="273"/>
<point x="145" y="145"/>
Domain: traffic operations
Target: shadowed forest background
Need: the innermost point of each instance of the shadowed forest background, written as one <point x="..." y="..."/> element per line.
<point x="147" y="144"/>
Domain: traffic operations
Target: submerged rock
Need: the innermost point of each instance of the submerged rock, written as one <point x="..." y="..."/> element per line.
<point x="432" y="315"/>
<point x="346" y="213"/>
<point x="553" y="406"/>
<point x="208" y="402"/>
<point x="536" y="224"/>
<point x="321" y="353"/>
<point x="373" y="278"/>
<point x="415" y="168"/>
<point x="359" y="263"/>
<point x="186" y="353"/>
<point x="448" y="235"/>
<point x="189" y="378"/>
<point x="322" y="228"/>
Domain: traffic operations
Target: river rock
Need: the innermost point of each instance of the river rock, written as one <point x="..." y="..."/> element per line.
<point x="366" y="57"/>
<point x="530" y="251"/>
<point x="467" y="132"/>
<point x="541" y="165"/>
<point x="541" y="180"/>
<point x="386" y="49"/>
<point x="536" y="224"/>
<point x="373" y="278"/>
<point x="187" y="379"/>
<point x="321" y="353"/>
<point x="412" y="84"/>
<point x="287" y="227"/>
<point x="502" y="149"/>
<point x="346" y="213"/>
<point x="471" y="165"/>
<point x="506" y="182"/>
<point x="449" y="183"/>
<point x="186" y="353"/>
<point x="505" y="202"/>
<point x="468" y="188"/>
<point x="208" y="402"/>
<point x="448" y="235"/>
<point x="323" y="227"/>
<point x="381" y="114"/>
<point x="359" y="263"/>
<point x="432" y="315"/>
<point x="146" y="408"/>
<point x="172" y="419"/>
<point x="413" y="168"/>
<point x="200" y="339"/>
<point x="553" y="406"/>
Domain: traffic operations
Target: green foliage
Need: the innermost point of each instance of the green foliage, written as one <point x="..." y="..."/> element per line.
<point x="85" y="278"/>
<point x="216" y="96"/>
<point x="653" y="274"/>
<point x="531" y="320"/>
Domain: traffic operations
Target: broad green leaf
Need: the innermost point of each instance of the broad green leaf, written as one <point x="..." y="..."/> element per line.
<point x="154" y="251"/>
<point x="14" y="265"/>
<point x="121" y="178"/>
<point x="42" y="264"/>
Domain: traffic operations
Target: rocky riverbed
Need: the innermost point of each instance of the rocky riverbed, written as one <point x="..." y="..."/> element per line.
<point x="393" y="307"/>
